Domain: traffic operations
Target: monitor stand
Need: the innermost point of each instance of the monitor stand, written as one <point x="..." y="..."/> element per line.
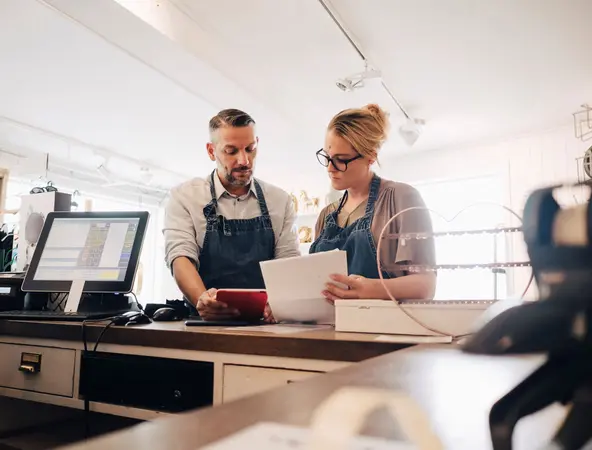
<point x="74" y="296"/>
<point x="96" y="302"/>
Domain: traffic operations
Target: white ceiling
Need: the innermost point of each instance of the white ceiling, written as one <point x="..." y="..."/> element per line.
<point x="143" y="81"/>
<point x="478" y="70"/>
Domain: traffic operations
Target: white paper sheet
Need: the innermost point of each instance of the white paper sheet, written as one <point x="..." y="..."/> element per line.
<point x="411" y="339"/>
<point x="294" y="286"/>
<point x="280" y="329"/>
<point x="274" y="436"/>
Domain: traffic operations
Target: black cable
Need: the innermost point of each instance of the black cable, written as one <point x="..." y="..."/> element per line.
<point x="105" y="328"/>
<point x="140" y="307"/>
<point x="84" y="335"/>
<point x="112" y="321"/>
<point x="85" y="344"/>
<point x="86" y="401"/>
<point x="86" y="417"/>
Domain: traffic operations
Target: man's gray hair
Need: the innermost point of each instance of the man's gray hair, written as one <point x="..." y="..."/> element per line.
<point x="230" y="118"/>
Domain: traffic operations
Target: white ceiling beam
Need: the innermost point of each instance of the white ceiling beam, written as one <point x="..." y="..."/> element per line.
<point x="63" y="147"/>
<point x="117" y="23"/>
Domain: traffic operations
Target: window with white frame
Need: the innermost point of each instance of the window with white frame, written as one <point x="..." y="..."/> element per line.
<point x="166" y="284"/>
<point x="463" y="205"/>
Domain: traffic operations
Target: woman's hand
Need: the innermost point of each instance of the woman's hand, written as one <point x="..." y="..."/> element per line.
<point x="352" y="286"/>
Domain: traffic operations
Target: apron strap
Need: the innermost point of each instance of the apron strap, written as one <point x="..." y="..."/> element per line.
<point x="261" y="199"/>
<point x="211" y="209"/>
<point x="213" y="189"/>
<point x="341" y="203"/>
<point x="373" y="195"/>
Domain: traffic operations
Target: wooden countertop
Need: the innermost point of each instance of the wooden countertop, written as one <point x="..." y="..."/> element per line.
<point x="456" y="391"/>
<point x="319" y="344"/>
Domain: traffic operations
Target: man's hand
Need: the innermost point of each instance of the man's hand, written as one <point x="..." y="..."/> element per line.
<point x="352" y="287"/>
<point x="211" y="309"/>
<point x="268" y="315"/>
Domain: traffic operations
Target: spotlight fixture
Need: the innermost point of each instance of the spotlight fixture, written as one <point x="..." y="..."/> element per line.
<point x="356" y="81"/>
<point x="411" y="130"/>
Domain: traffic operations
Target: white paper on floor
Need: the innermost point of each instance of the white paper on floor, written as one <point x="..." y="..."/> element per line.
<point x="275" y="436"/>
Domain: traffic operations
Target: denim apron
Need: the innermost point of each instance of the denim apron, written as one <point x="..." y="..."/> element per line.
<point x="356" y="239"/>
<point x="232" y="249"/>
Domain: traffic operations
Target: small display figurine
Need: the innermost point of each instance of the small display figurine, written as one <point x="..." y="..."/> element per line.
<point x="305" y="234"/>
<point x="308" y="204"/>
<point x="294" y="203"/>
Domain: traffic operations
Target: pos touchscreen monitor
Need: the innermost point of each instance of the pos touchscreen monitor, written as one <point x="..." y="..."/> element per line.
<point x="100" y="251"/>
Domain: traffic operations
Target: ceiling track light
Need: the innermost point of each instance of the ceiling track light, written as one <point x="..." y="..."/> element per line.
<point x="357" y="80"/>
<point x="412" y="128"/>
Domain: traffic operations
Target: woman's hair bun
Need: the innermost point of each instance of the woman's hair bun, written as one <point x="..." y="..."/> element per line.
<point x="365" y="129"/>
<point x="381" y="116"/>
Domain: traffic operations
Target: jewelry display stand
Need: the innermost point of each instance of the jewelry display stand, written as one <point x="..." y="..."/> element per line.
<point x="445" y="317"/>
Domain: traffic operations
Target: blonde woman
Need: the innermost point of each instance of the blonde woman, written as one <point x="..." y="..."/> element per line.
<point x="352" y="144"/>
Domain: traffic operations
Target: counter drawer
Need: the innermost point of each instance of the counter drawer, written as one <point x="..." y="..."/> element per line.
<point x="56" y="369"/>
<point x="242" y="381"/>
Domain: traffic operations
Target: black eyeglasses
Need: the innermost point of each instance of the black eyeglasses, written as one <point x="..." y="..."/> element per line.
<point x="339" y="163"/>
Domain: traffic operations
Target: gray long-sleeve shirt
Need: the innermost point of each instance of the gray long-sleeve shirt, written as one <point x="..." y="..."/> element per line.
<point x="185" y="223"/>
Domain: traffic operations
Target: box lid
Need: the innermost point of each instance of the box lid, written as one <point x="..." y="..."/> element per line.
<point x="439" y="304"/>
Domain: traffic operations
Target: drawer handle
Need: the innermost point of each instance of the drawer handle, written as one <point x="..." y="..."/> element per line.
<point x="30" y="363"/>
<point x="26" y="368"/>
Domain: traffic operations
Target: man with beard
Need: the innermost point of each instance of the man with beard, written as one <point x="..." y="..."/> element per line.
<point x="217" y="229"/>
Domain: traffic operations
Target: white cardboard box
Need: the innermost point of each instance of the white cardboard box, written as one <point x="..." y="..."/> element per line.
<point x="386" y="317"/>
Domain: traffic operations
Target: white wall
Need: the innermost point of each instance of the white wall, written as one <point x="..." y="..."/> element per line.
<point x="518" y="165"/>
<point x="524" y="163"/>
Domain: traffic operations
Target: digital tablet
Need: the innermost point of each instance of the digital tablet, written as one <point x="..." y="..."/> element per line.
<point x="249" y="302"/>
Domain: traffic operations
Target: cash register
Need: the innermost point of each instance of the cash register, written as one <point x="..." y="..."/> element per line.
<point x="83" y="267"/>
<point x="11" y="294"/>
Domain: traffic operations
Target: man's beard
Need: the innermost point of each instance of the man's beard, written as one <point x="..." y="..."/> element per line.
<point x="231" y="179"/>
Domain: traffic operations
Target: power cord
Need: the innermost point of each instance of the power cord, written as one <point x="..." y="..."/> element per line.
<point x="138" y="304"/>
<point x="112" y="321"/>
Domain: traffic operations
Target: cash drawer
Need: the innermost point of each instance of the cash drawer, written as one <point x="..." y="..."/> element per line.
<point x="46" y="370"/>
<point x="147" y="382"/>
